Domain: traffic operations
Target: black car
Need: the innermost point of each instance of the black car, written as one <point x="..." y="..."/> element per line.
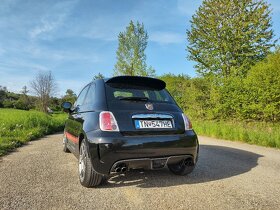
<point x="124" y="123"/>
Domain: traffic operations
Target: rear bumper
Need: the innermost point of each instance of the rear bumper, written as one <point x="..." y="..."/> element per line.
<point x="108" y="149"/>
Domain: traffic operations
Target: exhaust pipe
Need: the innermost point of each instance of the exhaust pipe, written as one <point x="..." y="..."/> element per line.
<point x="123" y="169"/>
<point x="120" y="168"/>
<point x="188" y="162"/>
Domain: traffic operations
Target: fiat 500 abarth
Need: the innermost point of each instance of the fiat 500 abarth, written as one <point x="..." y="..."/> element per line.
<point x="124" y="123"/>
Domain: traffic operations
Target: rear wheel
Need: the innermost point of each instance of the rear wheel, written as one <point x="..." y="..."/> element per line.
<point x="182" y="168"/>
<point x="88" y="177"/>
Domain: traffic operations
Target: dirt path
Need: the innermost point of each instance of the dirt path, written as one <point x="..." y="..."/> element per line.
<point x="229" y="175"/>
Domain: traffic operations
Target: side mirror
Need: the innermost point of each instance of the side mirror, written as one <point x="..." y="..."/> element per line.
<point x="66" y="106"/>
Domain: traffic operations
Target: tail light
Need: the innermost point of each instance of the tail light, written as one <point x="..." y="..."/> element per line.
<point x="107" y="121"/>
<point x="187" y="122"/>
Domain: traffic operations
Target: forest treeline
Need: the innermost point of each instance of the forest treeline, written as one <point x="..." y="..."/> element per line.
<point x="253" y="97"/>
<point x="24" y="101"/>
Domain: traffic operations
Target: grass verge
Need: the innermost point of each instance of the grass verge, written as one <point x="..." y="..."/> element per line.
<point x="18" y="127"/>
<point x="259" y="133"/>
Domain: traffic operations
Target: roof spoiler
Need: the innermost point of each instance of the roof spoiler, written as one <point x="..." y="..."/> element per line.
<point x="139" y="81"/>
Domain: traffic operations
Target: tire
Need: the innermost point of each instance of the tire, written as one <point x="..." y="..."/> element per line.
<point x="87" y="175"/>
<point x="182" y="168"/>
<point x="105" y="180"/>
<point x="65" y="149"/>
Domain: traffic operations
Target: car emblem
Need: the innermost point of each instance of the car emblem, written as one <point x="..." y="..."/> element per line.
<point x="149" y="106"/>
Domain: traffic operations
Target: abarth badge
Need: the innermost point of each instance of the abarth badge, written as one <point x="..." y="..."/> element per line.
<point x="149" y="106"/>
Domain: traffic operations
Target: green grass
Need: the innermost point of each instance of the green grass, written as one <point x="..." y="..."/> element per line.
<point x="18" y="127"/>
<point x="259" y="133"/>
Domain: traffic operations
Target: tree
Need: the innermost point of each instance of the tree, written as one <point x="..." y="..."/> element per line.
<point x="70" y="92"/>
<point x="227" y="37"/>
<point x="191" y="94"/>
<point x="131" y="57"/>
<point x="70" y="96"/>
<point x="44" y="87"/>
<point x="3" y="94"/>
<point x="98" y="76"/>
<point x="178" y="86"/>
<point x="23" y="102"/>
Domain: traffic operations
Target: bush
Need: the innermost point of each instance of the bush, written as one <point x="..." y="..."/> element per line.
<point x="254" y="97"/>
<point x="263" y="86"/>
<point x="8" y="104"/>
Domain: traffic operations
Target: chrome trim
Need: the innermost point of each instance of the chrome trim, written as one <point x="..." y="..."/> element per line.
<point x="155" y="116"/>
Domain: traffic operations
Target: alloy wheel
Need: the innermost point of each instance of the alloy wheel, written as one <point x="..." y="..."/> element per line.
<point x="82" y="162"/>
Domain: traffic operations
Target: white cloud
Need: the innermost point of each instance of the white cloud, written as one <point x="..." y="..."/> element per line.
<point x="105" y="28"/>
<point x="18" y="64"/>
<point x="167" y="37"/>
<point x="46" y="26"/>
<point x="57" y="55"/>
<point x="53" y="18"/>
<point x="70" y="56"/>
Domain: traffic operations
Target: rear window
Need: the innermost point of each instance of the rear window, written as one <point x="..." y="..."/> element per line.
<point x="120" y="92"/>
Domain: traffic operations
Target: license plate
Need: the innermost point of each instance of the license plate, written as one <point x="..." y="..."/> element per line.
<point x="153" y="124"/>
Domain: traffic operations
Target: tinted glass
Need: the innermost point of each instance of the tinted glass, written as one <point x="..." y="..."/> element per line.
<point x="81" y="97"/>
<point x="90" y="98"/>
<point x="119" y="93"/>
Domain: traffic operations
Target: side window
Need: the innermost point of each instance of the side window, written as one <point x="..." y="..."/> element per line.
<point x="90" y="98"/>
<point x="81" y="97"/>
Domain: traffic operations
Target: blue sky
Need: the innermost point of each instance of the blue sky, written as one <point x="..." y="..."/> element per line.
<point x="76" y="39"/>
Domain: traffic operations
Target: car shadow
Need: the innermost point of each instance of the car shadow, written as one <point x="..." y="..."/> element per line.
<point x="215" y="163"/>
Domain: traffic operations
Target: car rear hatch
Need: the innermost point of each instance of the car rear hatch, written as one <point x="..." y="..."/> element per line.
<point x="142" y="106"/>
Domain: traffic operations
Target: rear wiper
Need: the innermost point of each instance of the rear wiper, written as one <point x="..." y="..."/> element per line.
<point x="135" y="98"/>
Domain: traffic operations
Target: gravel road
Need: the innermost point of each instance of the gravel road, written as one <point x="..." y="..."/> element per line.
<point x="229" y="175"/>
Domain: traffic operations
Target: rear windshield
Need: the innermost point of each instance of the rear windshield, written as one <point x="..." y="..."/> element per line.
<point x="118" y="92"/>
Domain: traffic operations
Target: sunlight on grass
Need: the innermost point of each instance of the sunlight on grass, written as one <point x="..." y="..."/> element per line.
<point x="18" y="127"/>
<point x="260" y="133"/>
